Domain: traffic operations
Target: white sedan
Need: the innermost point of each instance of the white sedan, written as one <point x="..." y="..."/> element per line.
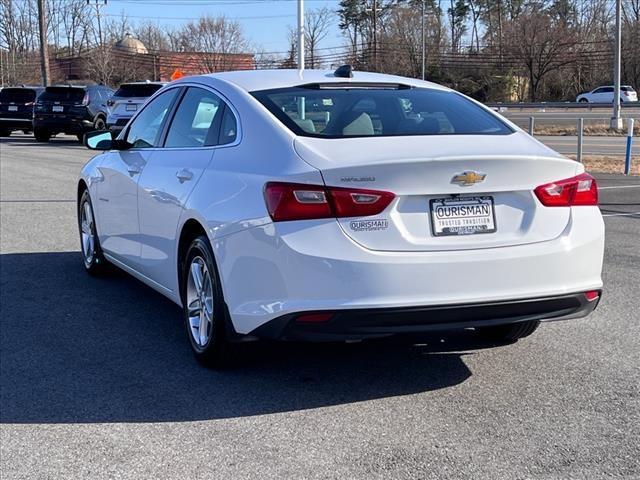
<point x="339" y="206"/>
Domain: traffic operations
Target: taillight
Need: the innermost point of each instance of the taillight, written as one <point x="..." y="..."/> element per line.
<point x="319" y="317"/>
<point x="592" y="295"/>
<point x="85" y="99"/>
<point x="578" y="190"/>
<point x="28" y="104"/>
<point x="294" y="201"/>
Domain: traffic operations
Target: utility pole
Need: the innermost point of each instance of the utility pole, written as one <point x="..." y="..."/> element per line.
<point x="301" y="35"/>
<point x="98" y="4"/>
<point x="375" y="34"/>
<point x="616" y="120"/>
<point x="44" y="51"/>
<point x="423" y="40"/>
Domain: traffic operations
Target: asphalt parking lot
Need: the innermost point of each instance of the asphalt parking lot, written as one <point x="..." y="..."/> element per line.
<point x="97" y="379"/>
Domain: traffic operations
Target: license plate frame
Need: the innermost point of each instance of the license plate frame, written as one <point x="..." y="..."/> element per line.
<point x="57" y="109"/>
<point x="131" y="107"/>
<point x="473" y="227"/>
<point x="12" y="108"/>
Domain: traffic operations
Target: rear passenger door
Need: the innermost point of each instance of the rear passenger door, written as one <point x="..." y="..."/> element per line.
<point x="170" y="176"/>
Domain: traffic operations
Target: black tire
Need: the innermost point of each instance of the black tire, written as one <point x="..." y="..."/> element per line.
<point x="42" y="135"/>
<point x="5" y="133"/>
<point x="95" y="263"/>
<point x="508" y="333"/>
<point x="100" y="124"/>
<point x="216" y="351"/>
<point x="583" y="100"/>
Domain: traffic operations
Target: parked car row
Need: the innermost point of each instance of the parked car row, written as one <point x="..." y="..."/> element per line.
<point x="70" y="109"/>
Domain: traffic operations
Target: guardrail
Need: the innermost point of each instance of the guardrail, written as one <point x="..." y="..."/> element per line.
<point x="560" y="105"/>
<point x="580" y="139"/>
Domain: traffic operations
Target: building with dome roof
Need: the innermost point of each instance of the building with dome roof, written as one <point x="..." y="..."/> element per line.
<point x="129" y="59"/>
<point x="131" y="45"/>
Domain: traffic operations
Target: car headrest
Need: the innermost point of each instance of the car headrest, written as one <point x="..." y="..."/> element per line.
<point x="361" y="125"/>
<point x="306" y="125"/>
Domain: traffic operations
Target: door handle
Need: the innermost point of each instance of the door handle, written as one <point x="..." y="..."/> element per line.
<point x="184" y="175"/>
<point x="133" y="170"/>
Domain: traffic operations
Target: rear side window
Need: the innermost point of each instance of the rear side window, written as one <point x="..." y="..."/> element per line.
<point x="197" y="120"/>
<point x="363" y="111"/>
<point x="17" y="95"/>
<point x="229" y="128"/>
<point x="63" y="94"/>
<point x="137" y="90"/>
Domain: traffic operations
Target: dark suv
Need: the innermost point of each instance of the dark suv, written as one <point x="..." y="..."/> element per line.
<point x="70" y="109"/>
<point x="16" y="109"/>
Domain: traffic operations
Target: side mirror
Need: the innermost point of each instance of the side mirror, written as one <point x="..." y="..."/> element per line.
<point x="99" y="140"/>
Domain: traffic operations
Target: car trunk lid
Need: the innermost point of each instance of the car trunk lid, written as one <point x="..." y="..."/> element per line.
<point x="420" y="171"/>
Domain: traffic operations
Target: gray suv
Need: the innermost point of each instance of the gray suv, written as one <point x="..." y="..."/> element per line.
<point x="126" y="101"/>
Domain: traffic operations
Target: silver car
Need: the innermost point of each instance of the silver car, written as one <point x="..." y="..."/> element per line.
<point x="126" y="101"/>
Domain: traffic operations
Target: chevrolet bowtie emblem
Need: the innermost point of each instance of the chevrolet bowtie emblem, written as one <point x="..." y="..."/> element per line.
<point x="467" y="178"/>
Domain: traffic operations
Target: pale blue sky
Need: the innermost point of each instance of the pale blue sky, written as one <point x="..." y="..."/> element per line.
<point x="264" y="21"/>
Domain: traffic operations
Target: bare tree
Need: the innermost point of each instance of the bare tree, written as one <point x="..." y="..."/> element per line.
<point x="217" y="37"/>
<point x="102" y="64"/>
<point x="541" y="45"/>
<point x="153" y="36"/>
<point x="317" y="24"/>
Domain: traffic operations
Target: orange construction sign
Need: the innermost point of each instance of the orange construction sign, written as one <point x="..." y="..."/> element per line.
<point x="177" y="74"/>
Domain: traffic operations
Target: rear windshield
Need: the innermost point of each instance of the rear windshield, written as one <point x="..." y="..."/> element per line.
<point x="137" y="90"/>
<point x="354" y="111"/>
<point x="62" y="94"/>
<point x="627" y="89"/>
<point x="17" y="95"/>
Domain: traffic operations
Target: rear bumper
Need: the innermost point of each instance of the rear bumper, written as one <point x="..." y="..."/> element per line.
<point x="16" y="123"/>
<point x="71" y="125"/>
<point x="275" y="270"/>
<point x="116" y="123"/>
<point x="373" y="323"/>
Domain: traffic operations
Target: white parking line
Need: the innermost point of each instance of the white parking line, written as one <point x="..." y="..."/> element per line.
<point x="619" y="186"/>
<point x="620" y="214"/>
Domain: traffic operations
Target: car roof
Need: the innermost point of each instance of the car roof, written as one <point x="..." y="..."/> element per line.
<point x="67" y="85"/>
<point x="25" y="87"/>
<point x="143" y="83"/>
<point x="254" y="80"/>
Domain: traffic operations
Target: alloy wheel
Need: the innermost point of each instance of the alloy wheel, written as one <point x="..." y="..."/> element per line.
<point x="87" y="233"/>
<point x="200" y="302"/>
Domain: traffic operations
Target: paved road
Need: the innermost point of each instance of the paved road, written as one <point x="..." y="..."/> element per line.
<point x="567" y="117"/>
<point x="592" y="145"/>
<point x="97" y="380"/>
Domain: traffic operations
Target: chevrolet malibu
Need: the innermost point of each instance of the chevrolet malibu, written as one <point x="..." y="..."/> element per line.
<point x="332" y="206"/>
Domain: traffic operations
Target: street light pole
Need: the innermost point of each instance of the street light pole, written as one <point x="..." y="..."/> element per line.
<point x="301" y="35"/>
<point x="616" y="120"/>
<point x="423" y="40"/>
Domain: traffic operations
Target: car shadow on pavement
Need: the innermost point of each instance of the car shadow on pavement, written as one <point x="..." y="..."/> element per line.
<point x="77" y="349"/>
